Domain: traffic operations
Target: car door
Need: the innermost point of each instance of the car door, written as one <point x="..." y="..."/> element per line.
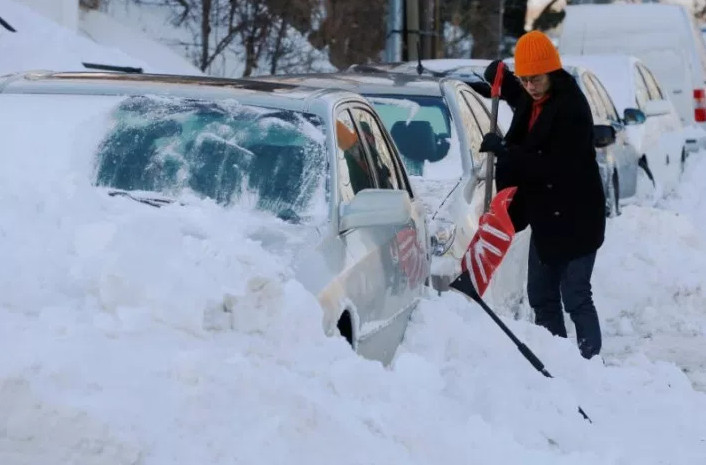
<point x="510" y="277"/>
<point x="477" y="128"/>
<point x="604" y="155"/>
<point x="411" y="240"/>
<point x="387" y="266"/>
<point x="649" y="130"/>
<point x="474" y="136"/>
<point x="663" y="128"/>
<point x="669" y="121"/>
<point x="624" y="153"/>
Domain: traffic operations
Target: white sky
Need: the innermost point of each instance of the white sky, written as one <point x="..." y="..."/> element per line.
<point x="115" y="354"/>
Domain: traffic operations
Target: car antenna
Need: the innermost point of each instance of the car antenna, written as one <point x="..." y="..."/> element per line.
<point x="446" y="198"/>
<point x="421" y="68"/>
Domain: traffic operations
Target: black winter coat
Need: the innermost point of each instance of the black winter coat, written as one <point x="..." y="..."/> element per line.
<point x="560" y="193"/>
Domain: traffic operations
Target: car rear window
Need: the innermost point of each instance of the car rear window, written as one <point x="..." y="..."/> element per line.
<point x="273" y="160"/>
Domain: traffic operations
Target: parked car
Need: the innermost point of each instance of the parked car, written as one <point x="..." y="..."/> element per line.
<point x="663" y="36"/>
<point x="659" y="141"/>
<point x="320" y="160"/>
<point x="468" y="70"/>
<point x="617" y="160"/>
<point x="438" y="125"/>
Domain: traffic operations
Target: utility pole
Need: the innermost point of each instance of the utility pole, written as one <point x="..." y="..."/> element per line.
<point x="428" y="32"/>
<point x="485" y="24"/>
<point x="393" y="42"/>
<point x="439" y="37"/>
<point x="413" y="29"/>
<point x="501" y="33"/>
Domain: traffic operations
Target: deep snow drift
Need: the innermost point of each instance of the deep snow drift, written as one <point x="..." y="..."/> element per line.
<point x="148" y="335"/>
<point x="136" y="335"/>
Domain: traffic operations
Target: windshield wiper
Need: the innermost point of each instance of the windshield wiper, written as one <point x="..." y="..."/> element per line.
<point x="151" y="201"/>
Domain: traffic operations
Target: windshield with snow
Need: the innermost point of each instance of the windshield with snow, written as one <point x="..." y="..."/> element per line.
<point x="422" y="129"/>
<point x="272" y="160"/>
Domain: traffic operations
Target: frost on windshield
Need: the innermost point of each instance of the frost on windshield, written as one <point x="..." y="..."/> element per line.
<point x="271" y="159"/>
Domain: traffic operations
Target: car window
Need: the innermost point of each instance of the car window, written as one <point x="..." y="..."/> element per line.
<point x="655" y="92"/>
<point x="611" y="112"/>
<point x="422" y="130"/>
<point x="641" y="93"/>
<point x="273" y="160"/>
<point x="597" y="109"/>
<point x="354" y="173"/>
<point x="380" y="156"/>
<point x="473" y="129"/>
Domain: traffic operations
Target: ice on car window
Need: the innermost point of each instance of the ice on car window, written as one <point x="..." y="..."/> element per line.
<point x="271" y="159"/>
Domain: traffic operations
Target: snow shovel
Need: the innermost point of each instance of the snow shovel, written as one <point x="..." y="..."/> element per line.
<point x="490" y="160"/>
<point x="484" y="254"/>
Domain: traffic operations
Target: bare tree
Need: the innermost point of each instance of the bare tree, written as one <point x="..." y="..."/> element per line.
<point x="272" y="32"/>
<point x="354" y="32"/>
<point x="477" y="20"/>
<point x="246" y="30"/>
<point x="213" y="25"/>
<point x="485" y="26"/>
<point x="291" y="15"/>
<point x="254" y="26"/>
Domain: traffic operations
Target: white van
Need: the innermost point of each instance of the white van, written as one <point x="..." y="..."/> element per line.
<point x="663" y="36"/>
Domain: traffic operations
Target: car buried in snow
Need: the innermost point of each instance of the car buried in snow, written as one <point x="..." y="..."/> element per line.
<point x="320" y="161"/>
<point x="437" y="125"/>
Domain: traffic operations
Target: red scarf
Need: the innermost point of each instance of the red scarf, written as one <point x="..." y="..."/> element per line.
<point x="537" y="106"/>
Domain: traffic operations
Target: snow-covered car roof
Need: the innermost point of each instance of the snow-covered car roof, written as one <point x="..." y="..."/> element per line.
<point x="610" y="16"/>
<point x="280" y="95"/>
<point x="614" y="72"/>
<point x="370" y="82"/>
<point x="451" y="66"/>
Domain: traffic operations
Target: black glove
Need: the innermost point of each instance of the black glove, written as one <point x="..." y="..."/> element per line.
<point x="492" y="69"/>
<point x="482" y="87"/>
<point x="493" y="143"/>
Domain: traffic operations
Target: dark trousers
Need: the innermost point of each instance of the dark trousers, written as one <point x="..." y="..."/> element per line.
<point x="570" y="282"/>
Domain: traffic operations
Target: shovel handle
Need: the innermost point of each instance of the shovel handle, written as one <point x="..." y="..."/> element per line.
<point x="490" y="161"/>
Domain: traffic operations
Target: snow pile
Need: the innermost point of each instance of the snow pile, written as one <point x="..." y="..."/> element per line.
<point x="142" y="335"/>
<point x="39" y="43"/>
<point x="170" y="335"/>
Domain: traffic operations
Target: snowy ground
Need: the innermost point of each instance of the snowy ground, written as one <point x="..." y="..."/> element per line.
<point x="40" y="43"/>
<point x="111" y="357"/>
<point x="112" y="354"/>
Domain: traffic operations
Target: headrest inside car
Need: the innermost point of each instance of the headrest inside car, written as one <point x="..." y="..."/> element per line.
<point x="415" y="140"/>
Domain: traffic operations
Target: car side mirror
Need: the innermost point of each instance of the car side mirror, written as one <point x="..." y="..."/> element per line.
<point x="633" y="116"/>
<point x="376" y="207"/>
<point x="603" y="135"/>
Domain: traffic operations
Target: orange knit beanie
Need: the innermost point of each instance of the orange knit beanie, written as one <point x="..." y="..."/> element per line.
<point x="535" y="54"/>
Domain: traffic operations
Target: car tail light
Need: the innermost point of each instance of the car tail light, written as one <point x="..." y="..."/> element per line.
<point x="700" y="105"/>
